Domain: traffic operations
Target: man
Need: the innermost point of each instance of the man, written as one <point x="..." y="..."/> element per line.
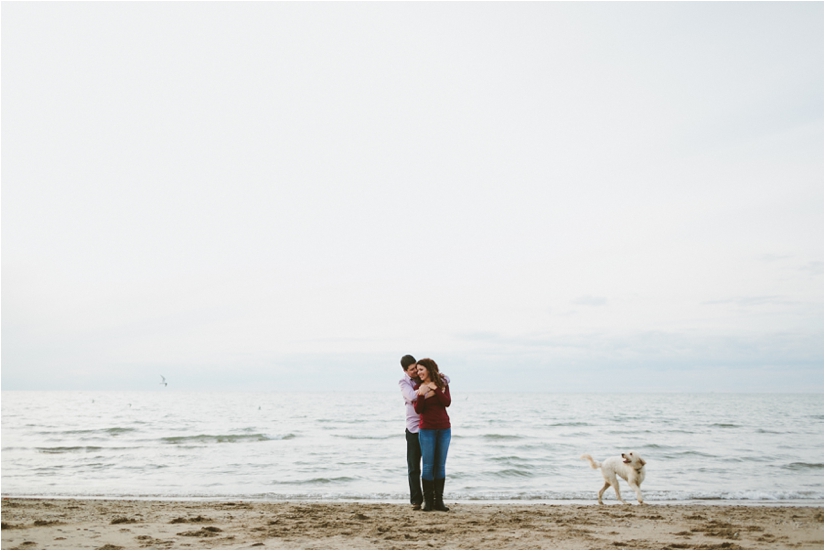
<point x="407" y="382"/>
<point x="413" y="448"/>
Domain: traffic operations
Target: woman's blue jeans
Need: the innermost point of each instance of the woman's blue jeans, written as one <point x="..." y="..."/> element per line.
<point x="434" y="446"/>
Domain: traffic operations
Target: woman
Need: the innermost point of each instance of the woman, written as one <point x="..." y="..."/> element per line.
<point x="434" y="432"/>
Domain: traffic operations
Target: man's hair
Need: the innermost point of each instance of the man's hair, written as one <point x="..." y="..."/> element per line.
<point x="407" y="361"/>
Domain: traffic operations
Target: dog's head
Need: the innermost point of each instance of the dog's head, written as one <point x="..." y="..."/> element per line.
<point x="632" y="459"/>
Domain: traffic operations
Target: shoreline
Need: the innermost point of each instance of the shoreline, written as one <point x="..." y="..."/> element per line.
<point x="710" y="502"/>
<point x="105" y="523"/>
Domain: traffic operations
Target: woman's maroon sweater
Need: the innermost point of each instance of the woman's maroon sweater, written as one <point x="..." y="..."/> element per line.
<point x="433" y="410"/>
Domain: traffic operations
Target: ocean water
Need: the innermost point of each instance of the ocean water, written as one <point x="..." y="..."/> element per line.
<point x="344" y="446"/>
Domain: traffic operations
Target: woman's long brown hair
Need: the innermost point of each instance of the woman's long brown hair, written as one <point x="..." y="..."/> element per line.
<point x="432" y="369"/>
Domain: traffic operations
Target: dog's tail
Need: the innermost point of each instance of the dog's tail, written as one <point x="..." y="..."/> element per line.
<point x="593" y="463"/>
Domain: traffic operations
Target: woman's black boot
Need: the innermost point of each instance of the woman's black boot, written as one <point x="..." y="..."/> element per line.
<point x="428" y="494"/>
<point x="438" y="497"/>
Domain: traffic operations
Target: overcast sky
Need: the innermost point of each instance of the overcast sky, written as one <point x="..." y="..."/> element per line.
<point x="607" y="197"/>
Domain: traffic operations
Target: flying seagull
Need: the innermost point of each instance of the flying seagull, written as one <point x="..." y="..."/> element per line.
<point x="163" y="382"/>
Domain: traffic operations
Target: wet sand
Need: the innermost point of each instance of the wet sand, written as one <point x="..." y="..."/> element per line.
<point x="138" y="524"/>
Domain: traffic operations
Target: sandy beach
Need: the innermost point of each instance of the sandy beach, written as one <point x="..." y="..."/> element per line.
<point x="139" y="524"/>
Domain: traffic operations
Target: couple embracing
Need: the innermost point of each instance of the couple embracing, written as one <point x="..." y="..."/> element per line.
<point x="427" y="397"/>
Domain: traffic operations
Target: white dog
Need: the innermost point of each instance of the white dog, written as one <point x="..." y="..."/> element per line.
<point x="629" y="466"/>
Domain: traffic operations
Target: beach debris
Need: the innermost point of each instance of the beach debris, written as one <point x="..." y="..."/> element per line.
<point x="123" y="520"/>
<point x="181" y="520"/>
<point x="150" y="542"/>
<point x="204" y="532"/>
<point x="719" y="529"/>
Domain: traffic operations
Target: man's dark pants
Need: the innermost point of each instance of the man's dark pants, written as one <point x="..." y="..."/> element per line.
<point x="414" y="467"/>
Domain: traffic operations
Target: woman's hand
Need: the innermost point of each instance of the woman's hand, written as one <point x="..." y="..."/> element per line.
<point x="422" y="390"/>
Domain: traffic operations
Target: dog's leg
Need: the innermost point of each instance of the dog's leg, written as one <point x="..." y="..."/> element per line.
<point x="615" y="483"/>
<point x="638" y="490"/>
<point x="601" y="492"/>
